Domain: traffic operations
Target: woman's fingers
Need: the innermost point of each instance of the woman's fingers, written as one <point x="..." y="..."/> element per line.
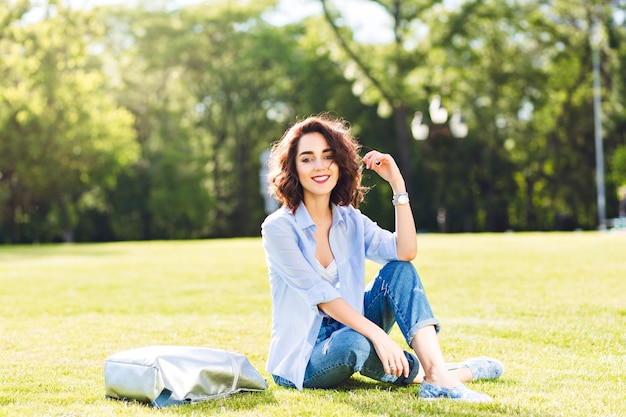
<point x="375" y="159"/>
<point x="395" y="370"/>
<point x="398" y="366"/>
<point x="383" y="164"/>
<point x="391" y="356"/>
<point x="405" y="366"/>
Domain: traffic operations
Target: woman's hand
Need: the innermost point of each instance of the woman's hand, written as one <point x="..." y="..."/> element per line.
<point x="391" y="355"/>
<point x="388" y="351"/>
<point x="385" y="166"/>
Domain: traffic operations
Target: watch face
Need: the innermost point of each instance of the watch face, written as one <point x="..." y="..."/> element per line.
<point x="403" y="199"/>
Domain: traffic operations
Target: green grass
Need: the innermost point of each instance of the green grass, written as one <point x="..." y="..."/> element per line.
<point x="552" y="307"/>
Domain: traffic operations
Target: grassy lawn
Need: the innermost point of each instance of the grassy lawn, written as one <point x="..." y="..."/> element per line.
<point x="552" y="307"/>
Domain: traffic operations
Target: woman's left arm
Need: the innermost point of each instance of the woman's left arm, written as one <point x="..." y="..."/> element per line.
<point x="406" y="234"/>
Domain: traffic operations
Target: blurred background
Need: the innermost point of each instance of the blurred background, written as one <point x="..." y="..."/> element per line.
<point x="140" y="120"/>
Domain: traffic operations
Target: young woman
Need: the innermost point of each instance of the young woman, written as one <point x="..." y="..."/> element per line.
<point x="326" y="325"/>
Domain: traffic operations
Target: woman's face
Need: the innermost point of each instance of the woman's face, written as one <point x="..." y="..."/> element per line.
<point x="317" y="171"/>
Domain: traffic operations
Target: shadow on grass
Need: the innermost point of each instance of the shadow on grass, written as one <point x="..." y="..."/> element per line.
<point x="243" y="402"/>
<point x="374" y="398"/>
<point x="354" y="397"/>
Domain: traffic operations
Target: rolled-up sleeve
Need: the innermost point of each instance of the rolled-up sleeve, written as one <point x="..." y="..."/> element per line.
<point x="380" y="244"/>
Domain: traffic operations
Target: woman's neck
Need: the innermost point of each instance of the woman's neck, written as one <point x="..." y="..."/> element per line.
<point x="319" y="210"/>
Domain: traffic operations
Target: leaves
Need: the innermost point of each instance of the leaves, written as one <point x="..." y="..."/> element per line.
<point x="148" y="122"/>
<point x="60" y="134"/>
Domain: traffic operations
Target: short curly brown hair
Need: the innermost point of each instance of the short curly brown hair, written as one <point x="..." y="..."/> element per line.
<point x="283" y="177"/>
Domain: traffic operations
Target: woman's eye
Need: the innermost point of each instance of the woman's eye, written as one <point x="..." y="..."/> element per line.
<point x="329" y="157"/>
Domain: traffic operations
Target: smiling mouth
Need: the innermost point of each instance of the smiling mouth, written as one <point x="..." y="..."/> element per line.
<point x="321" y="178"/>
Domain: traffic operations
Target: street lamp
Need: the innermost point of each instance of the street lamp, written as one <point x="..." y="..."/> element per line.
<point x="438" y="116"/>
<point x="596" y="43"/>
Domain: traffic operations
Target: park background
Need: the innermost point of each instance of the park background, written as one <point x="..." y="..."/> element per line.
<point x="145" y="123"/>
<point x="148" y="120"/>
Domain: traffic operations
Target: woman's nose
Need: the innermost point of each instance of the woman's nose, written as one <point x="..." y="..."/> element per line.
<point x="319" y="164"/>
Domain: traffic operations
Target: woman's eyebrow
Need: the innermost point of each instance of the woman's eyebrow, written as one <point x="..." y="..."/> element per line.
<point x="311" y="152"/>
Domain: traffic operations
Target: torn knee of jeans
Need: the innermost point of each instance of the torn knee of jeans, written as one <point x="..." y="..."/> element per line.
<point x="384" y="288"/>
<point x="326" y="346"/>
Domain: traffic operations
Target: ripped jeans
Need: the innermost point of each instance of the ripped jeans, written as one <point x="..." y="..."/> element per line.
<point x="395" y="295"/>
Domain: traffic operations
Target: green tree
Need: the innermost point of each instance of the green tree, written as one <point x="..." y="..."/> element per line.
<point x="618" y="164"/>
<point x="63" y="141"/>
<point x="557" y="168"/>
<point x="428" y="58"/>
<point x="522" y="76"/>
<point x="206" y="85"/>
<point x="614" y="63"/>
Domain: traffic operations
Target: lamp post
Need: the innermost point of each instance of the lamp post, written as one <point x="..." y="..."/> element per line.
<point x="438" y="117"/>
<point x="597" y="118"/>
<point x="422" y="131"/>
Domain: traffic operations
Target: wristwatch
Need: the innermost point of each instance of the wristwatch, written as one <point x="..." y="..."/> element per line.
<point x="401" y="198"/>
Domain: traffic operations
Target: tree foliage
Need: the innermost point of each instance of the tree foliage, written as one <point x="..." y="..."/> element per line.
<point x="148" y="121"/>
<point x="215" y="88"/>
<point x="63" y="142"/>
<point x="522" y="76"/>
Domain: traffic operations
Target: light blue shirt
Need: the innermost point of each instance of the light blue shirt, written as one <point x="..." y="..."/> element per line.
<point x="297" y="286"/>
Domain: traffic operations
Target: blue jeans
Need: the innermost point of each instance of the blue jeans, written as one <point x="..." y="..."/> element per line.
<point x="395" y="295"/>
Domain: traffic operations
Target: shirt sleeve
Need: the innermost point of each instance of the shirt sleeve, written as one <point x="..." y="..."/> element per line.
<point x="380" y="244"/>
<point x="286" y="261"/>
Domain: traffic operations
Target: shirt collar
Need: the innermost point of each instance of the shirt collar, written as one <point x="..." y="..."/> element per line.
<point x="304" y="220"/>
<point x="338" y="215"/>
<point x="302" y="217"/>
